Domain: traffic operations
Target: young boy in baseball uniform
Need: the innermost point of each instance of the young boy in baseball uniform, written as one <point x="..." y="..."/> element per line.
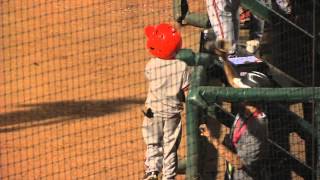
<point x="168" y="83"/>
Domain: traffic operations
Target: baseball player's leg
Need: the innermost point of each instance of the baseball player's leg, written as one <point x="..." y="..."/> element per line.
<point x="171" y="141"/>
<point x="223" y="15"/>
<point x="257" y="28"/>
<point x="152" y="132"/>
<point x="257" y="24"/>
<point x="235" y="24"/>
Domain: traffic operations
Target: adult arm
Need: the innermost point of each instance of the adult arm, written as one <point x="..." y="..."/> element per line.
<point x="231" y="73"/>
<point x="225" y="152"/>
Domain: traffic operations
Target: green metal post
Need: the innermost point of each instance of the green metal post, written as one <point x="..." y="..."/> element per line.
<point x="197" y="20"/>
<point x="199" y="61"/>
<point x="186" y="55"/>
<point x="192" y="59"/>
<point x="193" y="114"/>
<point x="206" y="60"/>
<point x="192" y="165"/>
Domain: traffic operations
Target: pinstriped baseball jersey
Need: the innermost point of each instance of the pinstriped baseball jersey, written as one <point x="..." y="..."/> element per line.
<point x="167" y="80"/>
<point x="224" y="19"/>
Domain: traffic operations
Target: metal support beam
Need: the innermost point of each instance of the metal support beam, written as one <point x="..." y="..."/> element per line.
<point x="186" y="55"/>
<point x="217" y="94"/>
<point x="197" y="20"/>
<point x="206" y="96"/>
<point x="193" y="114"/>
<point x="196" y="59"/>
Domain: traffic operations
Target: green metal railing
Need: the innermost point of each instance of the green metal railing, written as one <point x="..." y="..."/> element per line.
<point x="203" y="96"/>
<point x="203" y="99"/>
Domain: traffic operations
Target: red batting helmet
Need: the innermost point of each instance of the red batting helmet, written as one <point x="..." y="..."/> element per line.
<point x="163" y="40"/>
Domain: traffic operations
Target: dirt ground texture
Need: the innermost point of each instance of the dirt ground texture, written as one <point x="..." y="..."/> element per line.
<point x="72" y="87"/>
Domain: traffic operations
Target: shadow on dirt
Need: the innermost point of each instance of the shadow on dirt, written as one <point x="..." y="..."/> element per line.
<point x="57" y="112"/>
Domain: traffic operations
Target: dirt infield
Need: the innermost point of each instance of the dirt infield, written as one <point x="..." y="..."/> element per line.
<point x="72" y="87"/>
